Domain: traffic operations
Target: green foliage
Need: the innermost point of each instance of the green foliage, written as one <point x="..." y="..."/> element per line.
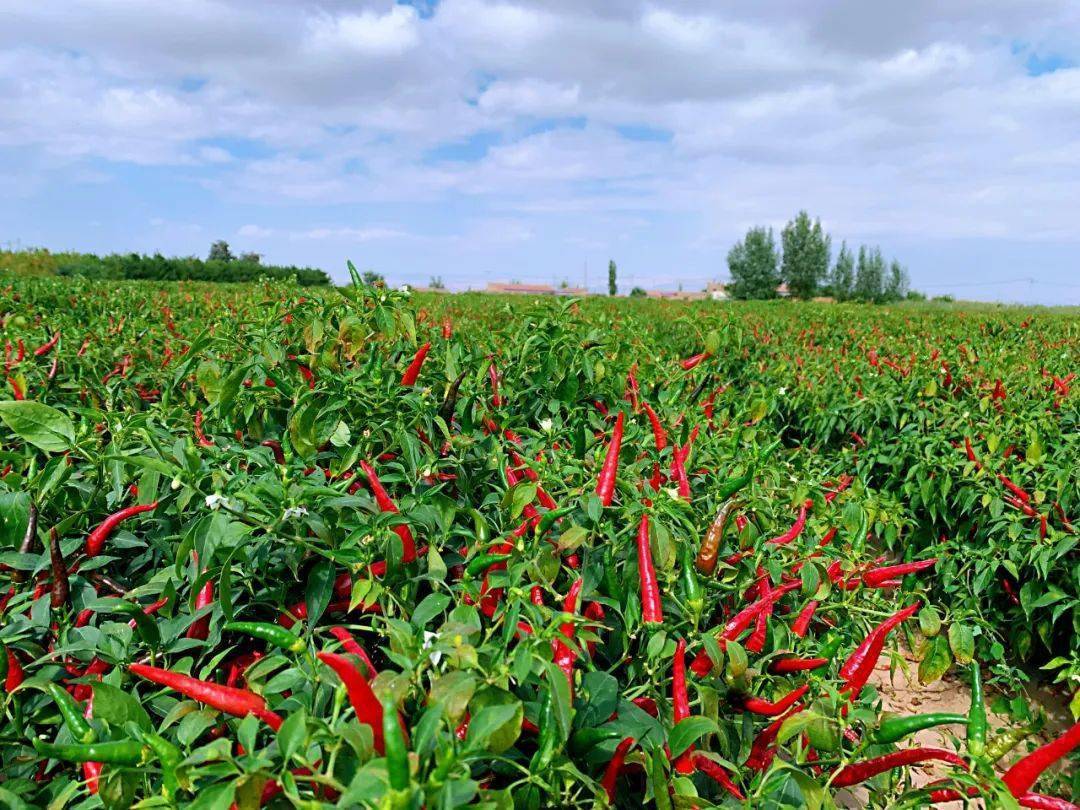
<point x="637" y="292"/>
<point x="806" y="250"/>
<point x="612" y="286"/>
<point x="266" y="500"/>
<point x="220" y="252"/>
<point x="896" y="285"/>
<point x="842" y="282"/>
<point x="869" y="276"/>
<point x="753" y="265"/>
<point x="133" y="266"/>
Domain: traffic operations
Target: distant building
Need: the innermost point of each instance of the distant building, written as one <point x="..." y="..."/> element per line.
<point x="783" y="291"/>
<point x="676" y="295"/>
<point x="503" y="288"/>
<point x="716" y="291"/>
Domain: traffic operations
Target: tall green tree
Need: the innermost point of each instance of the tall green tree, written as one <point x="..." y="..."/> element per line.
<point x="753" y="265"/>
<point x="896" y="285"/>
<point x="219" y="252"/>
<point x="612" y="287"/>
<point x="843" y="274"/>
<point x="806" y="255"/>
<point x="870" y="275"/>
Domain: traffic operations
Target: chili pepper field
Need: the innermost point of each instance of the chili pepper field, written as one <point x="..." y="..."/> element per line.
<point x="269" y="547"/>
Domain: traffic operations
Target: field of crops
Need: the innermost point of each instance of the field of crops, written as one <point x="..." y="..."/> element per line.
<point x="279" y="547"/>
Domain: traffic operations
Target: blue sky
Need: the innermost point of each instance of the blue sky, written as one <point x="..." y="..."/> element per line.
<point x="477" y="140"/>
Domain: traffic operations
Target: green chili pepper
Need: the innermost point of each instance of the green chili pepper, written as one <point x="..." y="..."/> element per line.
<point x="397" y="755"/>
<point x="1006" y="741"/>
<point x="477" y="565"/>
<point x="549" y="518"/>
<point x="691" y="586"/>
<point x="169" y="756"/>
<point x="545" y="751"/>
<point x="480" y="526"/>
<point x="976" y="719"/>
<point x="270" y="633"/>
<point x="893" y="728"/>
<point x="585" y="739"/>
<point x="659" y="781"/>
<point x="117" y="752"/>
<point x="829" y="645"/>
<point x="733" y="485"/>
<point x="766" y="454"/>
<point x="78" y="725"/>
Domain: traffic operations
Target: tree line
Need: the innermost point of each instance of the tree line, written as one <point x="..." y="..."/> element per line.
<point x="219" y="266"/>
<point x="803" y="263"/>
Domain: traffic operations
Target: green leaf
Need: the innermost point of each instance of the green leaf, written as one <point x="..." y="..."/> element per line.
<point x="320" y="587"/>
<point x="962" y="642"/>
<point x="937" y="661"/>
<point x="689" y="731"/>
<point x="14" y="518"/>
<point x="494" y="728"/>
<point x="40" y="425"/>
<point x="292" y="733"/>
<point x="117" y="707"/>
<point x="453" y="691"/>
<point x="432" y="605"/>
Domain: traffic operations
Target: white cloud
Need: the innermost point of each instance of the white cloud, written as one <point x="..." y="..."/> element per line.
<point x="885" y="118"/>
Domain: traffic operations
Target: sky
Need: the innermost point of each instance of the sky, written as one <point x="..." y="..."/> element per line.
<point x="535" y="140"/>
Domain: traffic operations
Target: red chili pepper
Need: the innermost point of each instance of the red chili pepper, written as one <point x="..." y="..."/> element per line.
<point x="876" y="576"/>
<point x="413" y="371"/>
<point x="352" y="646"/>
<point x="796" y="528"/>
<point x="860" y="664"/>
<point x="1041" y="802"/>
<point x="493" y="377"/>
<point x="95" y="541"/>
<point x="447" y="329"/>
<point x="237" y="702"/>
<point x="786" y="666"/>
<point x="385" y="504"/>
<point x="766" y="708"/>
<point x="46" y="347"/>
<point x="564" y="655"/>
<point x="16" y="389"/>
<point x="678" y="472"/>
<point x="651" y="608"/>
<point x="15" y="675"/>
<point x="802" y="623"/>
<point x="659" y="434"/>
<point x="632" y="389"/>
<point x="1022" y="776"/>
<point x="367" y="707"/>
<point x="1014" y="489"/>
<point x="691" y="362"/>
<point x="861" y="771"/>
<point x="615" y="766"/>
<point x="681" y="702"/>
<point x="605" y="484"/>
<point x="200" y="437"/>
<point x="200" y="628"/>
<point x="718" y="775"/>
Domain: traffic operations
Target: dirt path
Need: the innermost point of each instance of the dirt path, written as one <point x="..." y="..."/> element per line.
<point x="901" y="692"/>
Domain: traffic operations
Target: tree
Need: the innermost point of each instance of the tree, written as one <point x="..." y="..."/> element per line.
<point x="250" y="257"/>
<point x="436" y="283"/>
<point x="753" y="265"/>
<point x="612" y="287"/>
<point x="869" y="275"/>
<point x="637" y="292"/>
<point x="843" y="274"/>
<point x="896" y="286"/>
<point x="219" y="252"/>
<point x="372" y="279"/>
<point x="806" y="255"/>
